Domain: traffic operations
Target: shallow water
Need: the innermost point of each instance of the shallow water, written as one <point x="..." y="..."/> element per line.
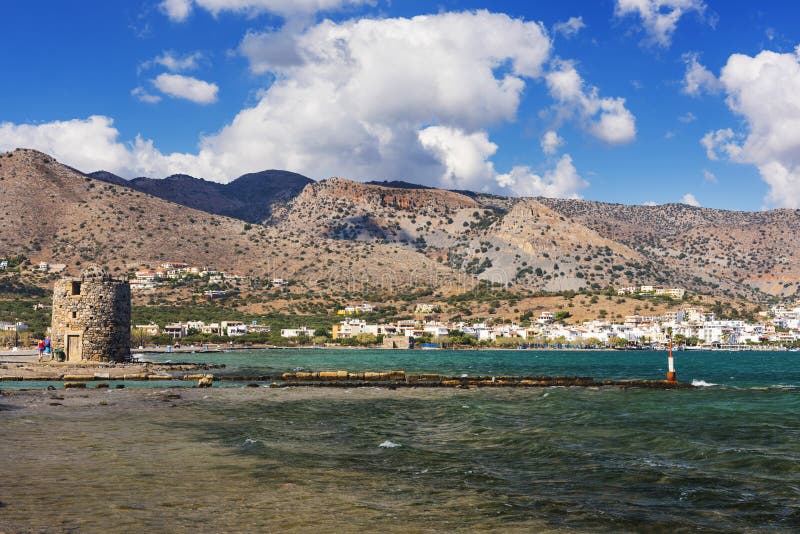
<point x="719" y="458"/>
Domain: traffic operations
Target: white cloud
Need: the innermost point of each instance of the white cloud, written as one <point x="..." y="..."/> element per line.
<point x="353" y="97"/>
<point x="687" y="117"/>
<point x="765" y="91"/>
<point x="86" y="144"/>
<point x="463" y="155"/>
<point x="356" y="102"/>
<point x="551" y="142"/>
<point x="709" y="176"/>
<point x="659" y="17"/>
<point x="178" y="86"/>
<point x="570" y="27"/>
<point x="720" y="140"/>
<point x="698" y="79"/>
<point x="365" y="99"/>
<point x="649" y="203"/>
<point x="689" y="199"/>
<point x="277" y="50"/>
<point x="178" y="10"/>
<point x="561" y="182"/>
<point x="605" y="118"/>
<point x="172" y="61"/>
<point x="141" y="94"/>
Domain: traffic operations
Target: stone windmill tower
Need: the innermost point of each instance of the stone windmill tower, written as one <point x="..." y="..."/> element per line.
<point x="92" y="317"/>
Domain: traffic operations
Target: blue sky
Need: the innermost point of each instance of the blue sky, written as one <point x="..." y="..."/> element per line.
<point x="368" y="90"/>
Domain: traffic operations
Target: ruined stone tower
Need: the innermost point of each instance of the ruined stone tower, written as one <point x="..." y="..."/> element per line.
<point x="92" y="317"/>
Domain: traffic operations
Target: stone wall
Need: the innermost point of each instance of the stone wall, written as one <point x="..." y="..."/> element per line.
<point x="96" y="308"/>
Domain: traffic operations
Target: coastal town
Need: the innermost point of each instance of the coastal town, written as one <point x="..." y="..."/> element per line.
<point x="689" y="327"/>
<point x="360" y="324"/>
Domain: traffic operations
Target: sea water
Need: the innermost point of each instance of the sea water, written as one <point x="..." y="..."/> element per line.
<point x="722" y="457"/>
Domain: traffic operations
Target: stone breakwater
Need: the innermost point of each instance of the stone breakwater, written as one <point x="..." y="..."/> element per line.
<point x="99" y="371"/>
<point x="333" y="379"/>
<point x="403" y="379"/>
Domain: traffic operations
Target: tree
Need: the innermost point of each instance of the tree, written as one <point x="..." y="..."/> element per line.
<point x="618" y="342"/>
<point x="561" y="316"/>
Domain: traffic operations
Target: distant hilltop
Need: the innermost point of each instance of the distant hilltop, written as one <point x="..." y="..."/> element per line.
<point x="249" y="197"/>
<point x="338" y="233"/>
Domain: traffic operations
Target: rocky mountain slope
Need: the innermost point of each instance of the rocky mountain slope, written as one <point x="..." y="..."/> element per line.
<point x="250" y="197"/>
<point x="716" y="249"/>
<point x="49" y="212"/>
<point x="515" y="242"/>
<point x="551" y="244"/>
<point x="345" y="236"/>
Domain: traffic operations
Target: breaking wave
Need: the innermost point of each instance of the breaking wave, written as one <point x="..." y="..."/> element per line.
<point x="702" y="383"/>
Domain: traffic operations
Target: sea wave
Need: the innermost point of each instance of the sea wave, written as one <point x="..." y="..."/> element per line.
<point x="389" y="444"/>
<point x="702" y="383"/>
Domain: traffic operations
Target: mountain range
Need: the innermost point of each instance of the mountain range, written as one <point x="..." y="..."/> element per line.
<point x="339" y="235"/>
<point x="249" y="197"/>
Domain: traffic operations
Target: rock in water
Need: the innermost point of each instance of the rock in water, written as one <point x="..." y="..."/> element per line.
<point x="206" y="382"/>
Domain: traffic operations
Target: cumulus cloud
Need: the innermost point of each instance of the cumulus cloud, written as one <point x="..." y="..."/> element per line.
<point x="176" y="10"/>
<point x="719" y="141"/>
<point x="179" y="10"/>
<point x="689" y="199"/>
<point x="178" y="86"/>
<point x="174" y="62"/>
<point x="367" y="99"/>
<point x="698" y="79"/>
<point x="354" y="98"/>
<point x="709" y="176"/>
<point x="563" y="181"/>
<point x="85" y="144"/>
<point x="464" y="156"/>
<point x="570" y="27"/>
<point x="551" y="142"/>
<point x="763" y="90"/>
<point x="605" y="118"/>
<point x="142" y="95"/>
<point x="650" y="203"/>
<point x="687" y="117"/>
<point x="659" y="17"/>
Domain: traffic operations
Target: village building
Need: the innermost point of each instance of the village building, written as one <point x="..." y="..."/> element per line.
<point x="148" y="329"/>
<point x="175" y="330"/>
<point x="296" y="332"/>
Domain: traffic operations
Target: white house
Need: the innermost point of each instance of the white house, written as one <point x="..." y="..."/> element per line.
<point x="295" y="332"/>
<point x="176" y="330"/>
<point x="234" y="328"/>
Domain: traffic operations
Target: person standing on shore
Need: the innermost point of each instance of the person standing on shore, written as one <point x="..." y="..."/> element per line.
<point x="40" y="348"/>
<point x="47" y="349"/>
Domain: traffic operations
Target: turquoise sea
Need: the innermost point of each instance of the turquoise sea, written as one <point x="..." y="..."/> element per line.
<point x="723" y="368"/>
<point x="721" y="457"/>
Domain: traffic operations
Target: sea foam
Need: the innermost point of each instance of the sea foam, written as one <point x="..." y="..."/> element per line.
<point x="389" y="444"/>
<point x="702" y="383"/>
